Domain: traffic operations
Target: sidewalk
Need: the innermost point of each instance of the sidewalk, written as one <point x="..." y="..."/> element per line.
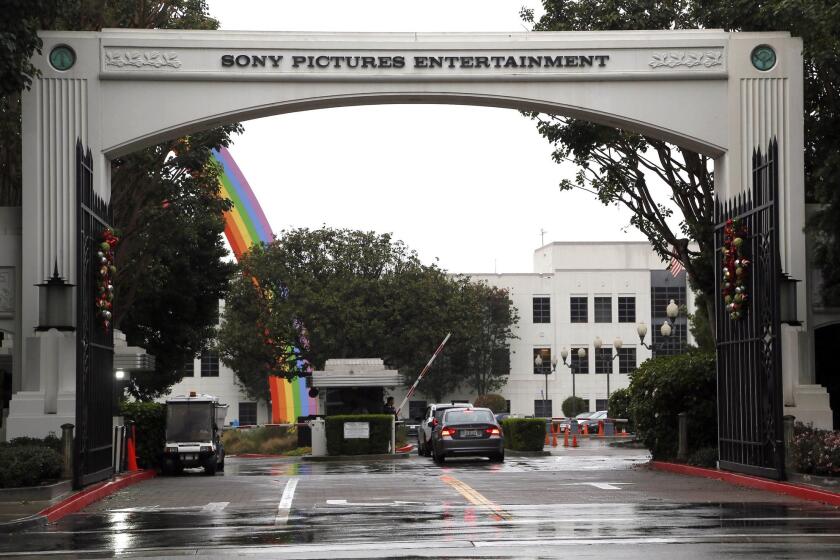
<point x="22" y="509"/>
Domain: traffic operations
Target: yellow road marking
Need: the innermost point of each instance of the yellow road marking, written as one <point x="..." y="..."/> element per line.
<point x="475" y="498"/>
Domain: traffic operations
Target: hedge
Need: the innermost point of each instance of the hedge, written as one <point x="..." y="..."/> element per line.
<point x="150" y="424"/>
<point x="380" y="434"/>
<point x="28" y="465"/>
<point x="524" y="434"/>
<point x="665" y="386"/>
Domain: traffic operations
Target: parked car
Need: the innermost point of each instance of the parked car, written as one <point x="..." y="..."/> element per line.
<point x="412" y="426"/>
<point x="431" y="418"/>
<point x="564" y="423"/>
<point x="468" y="432"/>
<point x="592" y="421"/>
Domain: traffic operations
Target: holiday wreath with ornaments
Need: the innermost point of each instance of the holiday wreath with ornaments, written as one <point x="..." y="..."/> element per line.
<point x="104" y="281"/>
<point x="735" y="269"/>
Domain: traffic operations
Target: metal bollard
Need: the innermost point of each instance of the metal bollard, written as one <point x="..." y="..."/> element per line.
<point x="682" y="448"/>
<point x="67" y="450"/>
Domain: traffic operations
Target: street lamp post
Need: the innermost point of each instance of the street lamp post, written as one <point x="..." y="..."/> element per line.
<point x="672" y="311"/>
<point x="581" y="356"/>
<point x="617" y="344"/>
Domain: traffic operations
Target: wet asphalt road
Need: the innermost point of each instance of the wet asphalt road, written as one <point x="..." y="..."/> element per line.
<point x="589" y="503"/>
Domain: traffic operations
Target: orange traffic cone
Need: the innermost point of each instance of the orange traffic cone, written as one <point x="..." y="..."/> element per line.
<point x="565" y="438"/>
<point x="574" y="441"/>
<point x="600" y="428"/>
<point x="553" y="436"/>
<point x="585" y="430"/>
<point x="547" y="442"/>
<point x="131" y="451"/>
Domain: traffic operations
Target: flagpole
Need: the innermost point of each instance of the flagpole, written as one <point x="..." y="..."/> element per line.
<point x="423" y="373"/>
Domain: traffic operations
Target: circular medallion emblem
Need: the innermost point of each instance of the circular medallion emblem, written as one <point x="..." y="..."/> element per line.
<point x="763" y="57"/>
<point x="62" y="57"/>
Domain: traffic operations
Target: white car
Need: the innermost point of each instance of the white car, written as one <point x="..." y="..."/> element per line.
<point x="433" y="415"/>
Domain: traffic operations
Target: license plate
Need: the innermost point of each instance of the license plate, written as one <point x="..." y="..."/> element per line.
<point x="470" y="433"/>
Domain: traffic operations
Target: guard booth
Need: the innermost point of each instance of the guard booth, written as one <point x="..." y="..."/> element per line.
<point x="354" y="385"/>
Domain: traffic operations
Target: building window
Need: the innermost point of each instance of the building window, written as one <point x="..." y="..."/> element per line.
<point x="209" y="364"/>
<point x="585" y="406"/>
<point x="600" y="404"/>
<point x="545" y="367"/>
<point x="626" y="360"/>
<point x="416" y="408"/>
<point x="542" y="310"/>
<point x="189" y="368"/>
<point x="662" y="295"/>
<point x="579" y="311"/>
<point x="542" y="409"/>
<point x="627" y="309"/>
<point x="603" y="309"/>
<point x="579" y="365"/>
<point x="603" y="360"/>
<point x="507" y="406"/>
<point x="247" y="414"/>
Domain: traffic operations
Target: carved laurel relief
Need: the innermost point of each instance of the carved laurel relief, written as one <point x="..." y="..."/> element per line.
<point x="138" y="59"/>
<point x="689" y="59"/>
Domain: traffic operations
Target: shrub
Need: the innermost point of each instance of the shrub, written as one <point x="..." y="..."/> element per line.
<point x="704" y="457"/>
<point x="272" y="440"/>
<point x="524" y="434"/>
<point x="816" y="451"/>
<point x="494" y="402"/>
<point x="573" y="406"/>
<point x="619" y="407"/>
<point x="665" y="386"/>
<point x="378" y="442"/>
<point x="51" y="442"/>
<point x="28" y="465"/>
<point x="150" y="424"/>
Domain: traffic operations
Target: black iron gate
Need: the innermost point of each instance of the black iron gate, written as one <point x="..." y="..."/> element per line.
<point x="94" y="347"/>
<point x="748" y="353"/>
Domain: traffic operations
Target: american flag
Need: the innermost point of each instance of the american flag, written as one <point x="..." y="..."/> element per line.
<point x="676" y="267"/>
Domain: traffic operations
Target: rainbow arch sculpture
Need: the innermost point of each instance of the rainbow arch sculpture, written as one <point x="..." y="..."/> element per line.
<point x="245" y="225"/>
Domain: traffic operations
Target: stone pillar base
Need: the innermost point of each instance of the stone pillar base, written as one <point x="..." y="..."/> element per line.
<point x="812" y="406"/>
<point x="27" y="417"/>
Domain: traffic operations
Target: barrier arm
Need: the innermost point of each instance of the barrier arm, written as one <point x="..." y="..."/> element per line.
<point x="423" y="373"/>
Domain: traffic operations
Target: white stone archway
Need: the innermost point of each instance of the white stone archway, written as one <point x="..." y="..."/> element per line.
<point x="130" y="88"/>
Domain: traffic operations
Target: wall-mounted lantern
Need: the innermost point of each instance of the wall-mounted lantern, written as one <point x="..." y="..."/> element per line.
<point x="787" y="300"/>
<point x="55" y="304"/>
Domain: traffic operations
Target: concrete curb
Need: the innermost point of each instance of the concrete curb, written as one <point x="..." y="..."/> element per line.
<point x="29" y="522"/>
<point x="328" y="458"/>
<point x="36" y="493"/>
<point x="84" y="498"/>
<point x="796" y="490"/>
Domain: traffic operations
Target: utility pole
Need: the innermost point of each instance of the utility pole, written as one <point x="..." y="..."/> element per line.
<point x="542" y="236"/>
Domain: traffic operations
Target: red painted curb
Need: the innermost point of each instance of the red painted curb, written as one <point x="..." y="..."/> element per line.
<point x="789" y="488"/>
<point x="83" y="498"/>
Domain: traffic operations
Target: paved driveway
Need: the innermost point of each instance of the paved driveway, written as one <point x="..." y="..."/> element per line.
<point x="592" y="503"/>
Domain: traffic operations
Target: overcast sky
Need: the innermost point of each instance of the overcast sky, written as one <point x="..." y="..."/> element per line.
<point x="470" y="186"/>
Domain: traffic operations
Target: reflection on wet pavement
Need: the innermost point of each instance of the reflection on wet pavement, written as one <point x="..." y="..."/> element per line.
<point x="583" y="499"/>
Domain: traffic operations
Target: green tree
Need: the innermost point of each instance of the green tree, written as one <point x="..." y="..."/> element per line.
<point x="362" y="294"/>
<point x="167" y="286"/>
<point x="614" y="164"/>
<point x="490" y="316"/>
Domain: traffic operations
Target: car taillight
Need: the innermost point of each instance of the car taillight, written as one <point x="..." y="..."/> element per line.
<point x="447" y="432"/>
<point x="493" y="431"/>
